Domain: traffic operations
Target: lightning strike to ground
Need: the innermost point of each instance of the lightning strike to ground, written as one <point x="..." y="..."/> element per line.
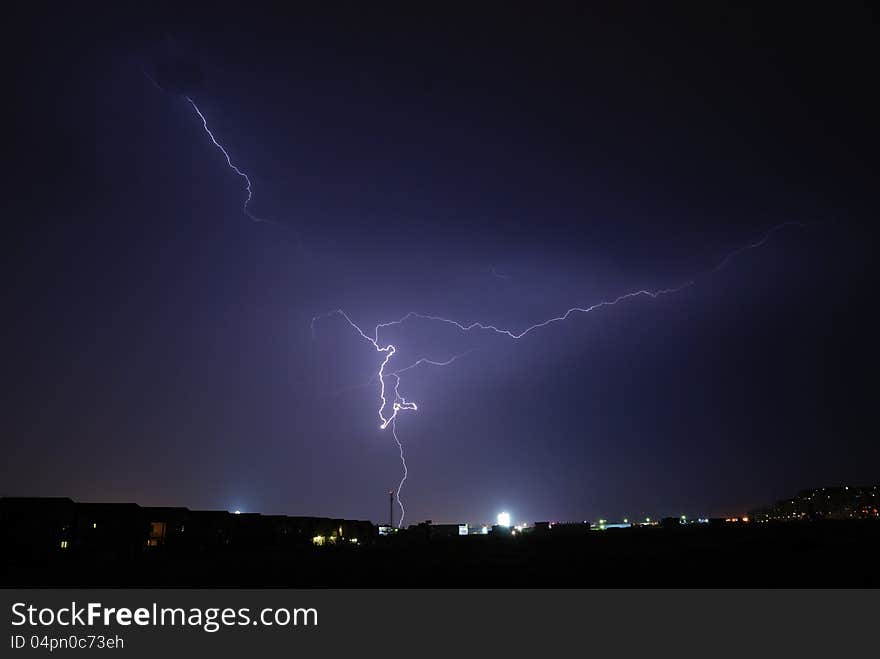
<point x="402" y="480"/>
<point x="399" y="402"/>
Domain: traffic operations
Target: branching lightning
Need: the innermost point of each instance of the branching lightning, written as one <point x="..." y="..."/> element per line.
<point x="431" y="362"/>
<point x="518" y="335"/>
<point x="390" y="406"/>
<point x="399" y="403"/>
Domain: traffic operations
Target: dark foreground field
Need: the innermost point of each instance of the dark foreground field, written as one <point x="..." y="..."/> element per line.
<point x="794" y="554"/>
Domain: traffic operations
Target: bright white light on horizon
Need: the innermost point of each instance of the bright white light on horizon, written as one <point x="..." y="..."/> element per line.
<point x="237" y="512"/>
<point x="504" y="520"/>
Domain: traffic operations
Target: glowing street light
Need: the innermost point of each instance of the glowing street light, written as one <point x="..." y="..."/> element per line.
<point x="504" y="520"/>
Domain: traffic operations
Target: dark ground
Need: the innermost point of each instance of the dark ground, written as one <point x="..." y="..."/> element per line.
<point x="822" y="554"/>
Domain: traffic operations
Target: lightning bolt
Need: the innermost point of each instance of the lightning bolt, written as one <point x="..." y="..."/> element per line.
<point x="723" y="263"/>
<point x="432" y="362"/>
<point x="556" y="319"/>
<point x="247" y="179"/>
<point x="405" y="473"/>
<point x="399" y="403"/>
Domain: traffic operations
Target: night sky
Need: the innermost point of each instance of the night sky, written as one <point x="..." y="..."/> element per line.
<point x="493" y="164"/>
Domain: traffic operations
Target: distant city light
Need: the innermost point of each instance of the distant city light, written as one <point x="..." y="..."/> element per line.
<point x="504" y="520"/>
<point x="237" y="512"/>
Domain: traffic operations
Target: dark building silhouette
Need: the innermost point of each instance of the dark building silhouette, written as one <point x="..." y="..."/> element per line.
<point x="61" y="543"/>
<point x="37" y="527"/>
<point x="34" y="527"/>
<point x="110" y="530"/>
<point x="448" y="530"/>
<point x="567" y="529"/>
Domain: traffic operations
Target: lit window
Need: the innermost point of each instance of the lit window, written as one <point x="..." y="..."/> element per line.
<point x="158" y="530"/>
<point x="64" y="544"/>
